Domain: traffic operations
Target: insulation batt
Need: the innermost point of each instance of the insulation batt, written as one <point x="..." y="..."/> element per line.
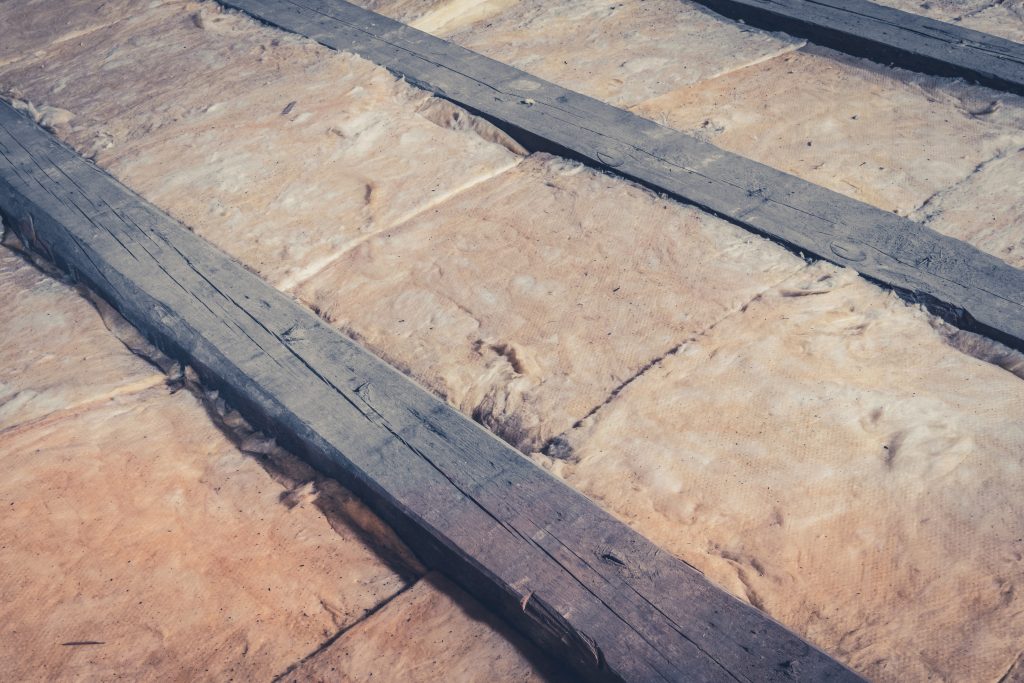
<point x="528" y="299"/>
<point x="986" y="209"/>
<point x="827" y="457"/>
<point x="142" y="541"/>
<point x="1004" y="18"/>
<point x="72" y="360"/>
<point x="129" y="518"/>
<point x="880" y="135"/>
<point x="432" y="632"/>
<point x="32" y="25"/>
<point x="284" y="178"/>
<point x="622" y="53"/>
<point x="138" y="529"/>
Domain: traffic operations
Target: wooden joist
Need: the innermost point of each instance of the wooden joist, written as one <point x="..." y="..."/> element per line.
<point x="970" y="288"/>
<point x="581" y="584"/>
<point x="889" y="36"/>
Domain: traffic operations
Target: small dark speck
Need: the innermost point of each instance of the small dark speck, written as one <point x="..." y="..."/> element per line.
<point x="288" y="108"/>
<point x="608" y="557"/>
<point x="76" y="643"/>
<point x="617" y="289"/>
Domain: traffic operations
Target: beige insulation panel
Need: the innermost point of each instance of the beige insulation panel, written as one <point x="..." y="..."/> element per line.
<point x="431" y="632"/>
<point x="829" y="457"/>
<point x="56" y="353"/>
<point x="622" y="53"/>
<point x="1004" y="18"/>
<point x="281" y="152"/>
<point x="619" y="52"/>
<point x="440" y="17"/>
<point x="140" y="542"/>
<point x="884" y="136"/>
<point x="38" y="24"/>
<point x="528" y="299"/>
<point x="986" y="209"/>
<point x="881" y="135"/>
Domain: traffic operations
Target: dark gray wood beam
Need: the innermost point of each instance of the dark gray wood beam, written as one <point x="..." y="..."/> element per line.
<point x="967" y="287"/>
<point x="582" y="585"/>
<point x="889" y="36"/>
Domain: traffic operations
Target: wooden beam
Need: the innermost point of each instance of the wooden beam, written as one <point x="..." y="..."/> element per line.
<point x="582" y="585"/>
<point x="967" y="287"/>
<point x="889" y="36"/>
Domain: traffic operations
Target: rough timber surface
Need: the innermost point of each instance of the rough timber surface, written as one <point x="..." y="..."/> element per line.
<point x="972" y="289"/>
<point x="889" y="36"/>
<point x="578" y="582"/>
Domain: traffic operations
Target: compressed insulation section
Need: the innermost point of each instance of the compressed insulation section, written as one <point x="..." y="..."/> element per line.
<point x="527" y="300"/>
<point x="829" y="457"/>
<point x="622" y="53"/>
<point x="454" y="633"/>
<point x="832" y="455"/>
<point x="283" y="153"/>
<point x="1003" y="18"/>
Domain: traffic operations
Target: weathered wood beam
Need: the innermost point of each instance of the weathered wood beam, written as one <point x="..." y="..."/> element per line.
<point x="968" y="287"/>
<point x="582" y="585"/>
<point x="889" y="36"/>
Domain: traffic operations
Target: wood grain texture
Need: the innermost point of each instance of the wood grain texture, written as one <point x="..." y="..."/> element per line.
<point x="579" y="583"/>
<point x="889" y="36"/>
<point x="965" y="286"/>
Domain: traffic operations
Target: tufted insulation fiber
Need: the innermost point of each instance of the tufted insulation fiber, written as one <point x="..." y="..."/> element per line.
<point x="830" y="458"/>
<point x="528" y="299"/>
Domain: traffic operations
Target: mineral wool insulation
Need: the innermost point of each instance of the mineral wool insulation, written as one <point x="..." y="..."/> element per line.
<point x="128" y="517"/>
<point x="817" y="446"/>
<point x="141" y="541"/>
<point x="622" y="52"/>
<point x="895" y="139"/>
